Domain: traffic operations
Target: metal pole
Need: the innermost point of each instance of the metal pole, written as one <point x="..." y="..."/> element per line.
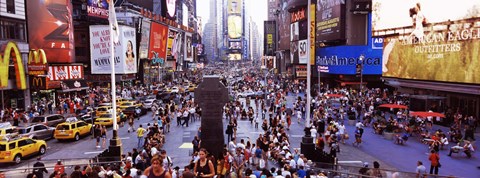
<point x="112" y="75"/>
<point x="3" y="102"/>
<point x="309" y="72"/>
<point x="361" y="79"/>
<point x="319" y="84"/>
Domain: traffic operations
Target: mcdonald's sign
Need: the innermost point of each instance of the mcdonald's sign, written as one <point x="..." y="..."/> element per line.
<point x="11" y="51"/>
<point x="39" y="83"/>
<point x="37" y="62"/>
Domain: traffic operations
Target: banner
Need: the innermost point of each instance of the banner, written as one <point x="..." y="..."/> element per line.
<point x="188" y="47"/>
<point x="301" y="70"/>
<point x="235" y="57"/>
<point x="294" y="32"/>
<point x="234" y="26"/>
<point x="65" y="72"/>
<point x="124" y="53"/>
<point x="435" y="40"/>
<point x="284" y="26"/>
<point x="144" y="39"/>
<point x="312" y="34"/>
<point x="158" y="41"/>
<point x="50" y="28"/>
<point x="294" y="51"/>
<point x="330" y="20"/>
<point x="97" y="8"/>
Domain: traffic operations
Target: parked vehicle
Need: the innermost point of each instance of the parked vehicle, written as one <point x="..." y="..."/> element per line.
<point x="37" y="131"/>
<point x="49" y="120"/>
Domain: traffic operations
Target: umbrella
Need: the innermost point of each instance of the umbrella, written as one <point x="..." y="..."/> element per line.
<point x="395" y="106"/>
<point x="335" y="95"/>
<point x="426" y="114"/>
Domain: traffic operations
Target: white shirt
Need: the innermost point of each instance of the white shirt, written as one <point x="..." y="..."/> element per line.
<point x="359" y="125"/>
<point x="293" y="164"/>
<point x="153" y="151"/>
<point x="300" y="162"/>
<point x="341" y="129"/>
<point x="241" y="145"/>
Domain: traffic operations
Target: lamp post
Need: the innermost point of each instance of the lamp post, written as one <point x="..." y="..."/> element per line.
<point x="361" y="58"/>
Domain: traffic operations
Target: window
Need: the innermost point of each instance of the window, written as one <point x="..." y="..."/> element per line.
<point x="38" y="119"/>
<point x="12" y="29"/>
<point x="3" y="147"/>
<point x="74" y="126"/>
<point x="39" y="127"/>
<point x="22" y="143"/>
<point x="81" y="124"/>
<point x="11" y="6"/>
<point x="12" y="145"/>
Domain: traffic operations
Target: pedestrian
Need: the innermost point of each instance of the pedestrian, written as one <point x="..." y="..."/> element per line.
<point x="97" y="134"/>
<point x="434" y="162"/>
<point x="140" y="133"/>
<point x="104" y="136"/>
<point x="59" y="167"/>
<point x="203" y="167"/>
<point x="131" y="126"/>
<point x="39" y="168"/>
<point x="421" y="170"/>
<point x="156" y="169"/>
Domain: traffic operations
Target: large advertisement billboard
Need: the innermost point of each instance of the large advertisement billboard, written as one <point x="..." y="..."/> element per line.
<point x="284" y="26"/>
<point x="234" y="7"/>
<point x="97" y="8"/>
<point x="188" y="47"/>
<point x="158" y="41"/>
<point x="124" y="53"/>
<point x="234" y="26"/>
<point x="330" y="20"/>
<point x="144" y="39"/>
<point x="433" y="40"/>
<point x="172" y="36"/>
<point x="270" y="38"/>
<point x="344" y="59"/>
<point x="50" y="28"/>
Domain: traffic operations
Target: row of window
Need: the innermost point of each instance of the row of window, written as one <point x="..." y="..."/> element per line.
<point x="12" y="30"/>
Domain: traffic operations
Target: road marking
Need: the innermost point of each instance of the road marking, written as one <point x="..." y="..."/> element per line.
<point x="257" y="132"/>
<point x="186" y="145"/>
<point x="350" y="162"/>
<point x="93" y="152"/>
<point x="296" y="136"/>
<point x="124" y="138"/>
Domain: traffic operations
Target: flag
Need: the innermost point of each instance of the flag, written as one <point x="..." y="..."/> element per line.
<point x="112" y="20"/>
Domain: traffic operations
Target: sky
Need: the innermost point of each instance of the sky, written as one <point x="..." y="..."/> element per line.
<point x="258" y="10"/>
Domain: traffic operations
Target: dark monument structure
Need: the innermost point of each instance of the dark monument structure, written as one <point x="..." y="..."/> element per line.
<point x="211" y="95"/>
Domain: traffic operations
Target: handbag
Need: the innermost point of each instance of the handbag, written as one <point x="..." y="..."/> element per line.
<point x="346" y="136"/>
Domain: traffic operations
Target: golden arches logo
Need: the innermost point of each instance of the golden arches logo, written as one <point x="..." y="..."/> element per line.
<point x="5" y="62"/>
<point x="37" y="57"/>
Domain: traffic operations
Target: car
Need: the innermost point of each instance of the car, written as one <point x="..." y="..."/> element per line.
<point x="15" y="148"/>
<point x="6" y="128"/>
<point x="245" y="94"/>
<point x="126" y="105"/>
<point x="49" y="120"/>
<point x="165" y="97"/>
<point x="72" y="129"/>
<point x="37" y="131"/>
<point x="148" y="103"/>
<point x="106" y="120"/>
<point x="103" y="110"/>
<point x="86" y="117"/>
<point x="174" y="90"/>
<point x="133" y="110"/>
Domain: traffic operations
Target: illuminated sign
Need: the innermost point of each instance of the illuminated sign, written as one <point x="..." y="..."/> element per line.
<point x="234" y="26"/>
<point x="11" y="51"/>
<point x="330" y="20"/>
<point x="97" y="8"/>
<point x="37" y="62"/>
<point x="298" y="15"/>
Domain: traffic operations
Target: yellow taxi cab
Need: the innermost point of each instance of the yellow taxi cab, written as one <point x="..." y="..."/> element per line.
<point x="7" y="129"/>
<point x="125" y="105"/>
<point x="72" y="129"/>
<point x="15" y="148"/>
<point x="106" y="120"/>
<point x="103" y="110"/>
<point x="121" y="100"/>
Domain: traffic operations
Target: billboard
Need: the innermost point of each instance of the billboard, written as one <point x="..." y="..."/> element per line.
<point x="270" y="38"/>
<point x="199" y="49"/>
<point x="234" y="26"/>
<point x="97" y="8"/>
<point x="144" y="39"/>
<point x="171" y="9"/>
<point x="284" y="26"/>
<point x="188" y="47"/>
<point x="245" y="49"/>
<point x="234" y="7"/>
<point x="429" y="43"/>
<point x="302" y="52"/>
<point x="330" y="20"/>
<point x="235" y="45"/>
<point x="172" y="35"/>
<point x="158" y="41"/>
<point x="293" y="51"/>
<point x="50" y="28"/>
<point x="343" y="59"/>
<point x="64" y="72"/>
<point x="124" y="53"/>
<point x="235" y="57"/>
<point x="294" y="31"/>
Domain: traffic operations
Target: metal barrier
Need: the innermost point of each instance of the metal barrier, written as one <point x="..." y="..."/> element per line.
<point x="343" y="169"/>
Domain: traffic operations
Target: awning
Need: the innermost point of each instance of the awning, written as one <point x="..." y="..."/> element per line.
<point x="73" y="85"/>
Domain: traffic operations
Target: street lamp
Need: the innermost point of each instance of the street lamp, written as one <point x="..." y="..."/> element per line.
<point x="360" y="71"/>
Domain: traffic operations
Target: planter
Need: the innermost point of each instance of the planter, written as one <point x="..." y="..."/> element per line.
<point x="388" y="135"/>
<point x="352" y="122"/>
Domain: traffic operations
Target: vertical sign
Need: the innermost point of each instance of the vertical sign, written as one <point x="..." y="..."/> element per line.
<point x="269" y="38"/>
<point x="50" y="28"/>
<point x="312" y="34"/>
<point x="158" y="41"/>
<point x="188" y="47"/>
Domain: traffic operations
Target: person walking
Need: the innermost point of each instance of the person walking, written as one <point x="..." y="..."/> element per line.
<point x="39" y="168"/>
<point x="421" y="170"/>
<point x="140" y="133"/>
<point x="97" y="134"/>
<point x="434" y="162"/>
<point x="104" y="136"/>
<point x="59" y="167"/>
<point x="131" y="126"/>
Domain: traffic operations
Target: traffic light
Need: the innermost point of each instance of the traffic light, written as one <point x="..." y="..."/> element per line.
<point x="358" y="69"/>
